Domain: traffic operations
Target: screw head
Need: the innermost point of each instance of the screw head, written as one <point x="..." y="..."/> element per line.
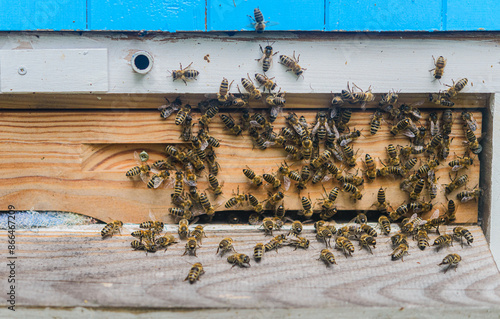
<point x="22" y="70"/>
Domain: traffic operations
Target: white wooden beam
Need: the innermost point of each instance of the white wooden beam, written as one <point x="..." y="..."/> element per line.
<point x="494" y="201"/>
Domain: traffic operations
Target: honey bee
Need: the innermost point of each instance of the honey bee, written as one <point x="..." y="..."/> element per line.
<point x="267" y="57"/>
<point x="469" y="120"/>
<point x="137" y="245"/>
<point x="399" y="239"/>
<point x="275" y="243"/>
<point x="168" y="109"/>
<point x="472" y="142"/>
<point x="209" y="115"/>
<point x="307" y="210"/>
<point x="225" y="245"/>
<point x="325" y="234"/>
<point x="296" y="228"/>
<point x="384" y="224"/>
<point x="398" y="213"/>
<point x="214" y="185"/>
<point x="439" y="64"/>
<point x="266" y="82"/>
<point x="191" y="178"/>
<point x="363" y="96"/>
<point x="236" y="200"/>
<point x="182" y="114"/>
<point x="420" y="207"/>
<point x="419" y="186"/>
<point x="400" y="126"/>
<point x="230" y="125"/>
<point x="157" y="179"/>
<point x="250" y="87"/>
<point x="366" y="241"/>
<point x="423" y="171"/>
<point x="255" y="180"/>
<point x="165" y="241"/>
<point x="258" y="21"/>
<point x="305" y="174"/>
<point x="274" y="199"/>
<point x="443" y="240"/>
<point x="292" y="64"/>
<point x="389" y="98"/>
<point x="142" y="168"/>
<point x="268" y="226"/>
<point x="450" y="212"/>
<point x="456" y="87"/>
<point x="194" y="273"/>
<point x="322" y="159"/>
<point x="327" y="257"/>
<point x="422" y="239"/>
<point x="155" y="225"/>
<point x="240" y="260"/>
<point x="321" y="128"/>
<point x="207" y="206"/>
<point x="399" y="252"/>
<point x="461" y="162"/>
<point x="144" y="234"/>
<point x="355" y="192"/>
<point x="223" y="95"/>
<point x="456" y="183"/>
<point x="258" y="252"/>
<point x="175" y="153"/>
<point x="111" y="228"/>
<point x="180" y="213"/>
<point x="272" y="180"/>
<point x="345" y="245"/>
<point x="300" y="242"/>
<point x="345" y="139"/>
<point x="184" y="74"/>
<point x="256" y="205"/>
<point x="183" y="230"/>
<point x="375" y="122"/>
<point x="434" y="123"/>
<point x="191" y="246"/>
<point x="460" y="232"/>
<point x="466" y="196"/>
<point x="451" y="260"/>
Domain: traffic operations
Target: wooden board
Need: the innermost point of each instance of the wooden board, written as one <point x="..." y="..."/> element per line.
<point x="76" y="161"/>
<point x="75" y="267"/>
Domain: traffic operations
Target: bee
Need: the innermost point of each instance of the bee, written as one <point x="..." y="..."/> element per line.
<point x="256" y="205"/>
<point x="472" y="142"/>
<point x="279" y="212"/>
<point x="142" y="168"/>
<point x="420" y="207"/>
<point x="195" y="273"/>
<point x="451" y="260"/>
<point x="369" y="230"/>
<point x="456" y="183"/>
<point x="456" y="87"/>
<point x="111" y="228"/>
<point x="439" y="64"/>
<point x="167" y="110"/>
<point x="325" y="234"/>
<point x="423" y="171"/>
<point x="443" y="240"/>
<point x="366" y="241"/>
<point x="385" y="224"/>
<point x="180" y="212"/>
<point x="155" y="225"/>
<point x="141" y="234"/>
<point x="466" y="196"/>
<point x="399" y="239"/>
<point x="275" y="243"/>
<point x="293" y="121"/>
<point x="183" y="230"/>
<point x="236" y="200"/>
<point x="422" y="239"/>
<point x="230" y="125"/>
<point x="409" y="164"/>
<point x="419" y="186"/>
<point x="223" y="95"/>
<point x="184" y="74"/>
<point x="225" y="245"/>
<point x="266" y="82"/>
<point x="450" y="213"/>
<point x="182" y="114"/>
<point x="292" y="64"/>
<point x="209" y="115"/>
<point x="214" y="185"/>
<point x="460" y="232"/>
<point x="137" y="245"/>
<point x="390" y="98"/>
<point x="375" y="122"/>
<point x="274" y="199"/>
<point x="190" y="174"/>
<point x="394" y="112"/>
<point x="258" y="19"/>
<point x="469" y="120"/>
<point x="157" y="179"/>
<point x="240" y="260"/>
<point x="268" y="225"/>
<point x="381" y="203"/>
<point x="327" y="213"/>
<point x="363" y="96"/>
<point x="150" y="246"/>
<point x="401" y="126"/>
<point x="305" y="174"/>
<point x="345" y="139"/>
<point x="255" y="180"/>
<point x="321" y="128"/>
<point x="355" y="192"/>
<point x="207" y="206"/>
<point x="399" y="252"/>
<point x="398" y="213"/>
<point x="434" y="124"/>
<point x="165" y="241"/>
<point x="345" y="245"/>
<point x="175" y="153"/>
<point x="348" y="95"/>
<point x="307" y="207"/>
<point x="191" y="246"/>
<point x="461" y="162"/>
<point x="327" y="257"/>
<point x="267" y="57"/>
<point x="445" y="147"/>
<point x="296" y="228"/>
<point x="258" y="252"/>
<point x="322" y="159"/>
<point x="393" y="155"/>
<point x="300" y="242"/>
<point x="250" y="87"/>
<point x="271" y="179"/>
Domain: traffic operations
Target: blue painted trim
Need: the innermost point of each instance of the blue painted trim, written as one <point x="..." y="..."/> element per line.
<point x="232" y="15"/>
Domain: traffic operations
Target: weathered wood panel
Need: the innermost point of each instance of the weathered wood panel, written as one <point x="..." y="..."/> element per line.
<point x="75" y="267"/>
<point x="76" y="161"/>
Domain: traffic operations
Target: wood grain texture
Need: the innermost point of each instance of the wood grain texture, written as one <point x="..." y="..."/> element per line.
<point x="75" y="267"/>
<point x="76" y="161"/>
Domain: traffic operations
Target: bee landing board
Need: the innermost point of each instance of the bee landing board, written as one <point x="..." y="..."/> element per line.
<point x="75" y="159"/>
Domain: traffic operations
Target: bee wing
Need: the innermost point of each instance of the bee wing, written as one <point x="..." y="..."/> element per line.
<point x="408" y="133"/>
<point x="315" y="128"/>
<point x="466" y="199"/>
<point x="435" y="214"/>
<point x="204" y="145"/>
<point x="335" y="131"/>
<point x="325" y="179"/>
<point x="190" y="183"/>
<point x="276" y="111"/>
<point x="144" y="177"/>
<point x="345" y="142"/>
<point x="161" y="107"/>
<point x="456" y="168"/>
<point x="255" y="124"/>
<point x="137" y="158"/>
<point x="363" y="106"/>
<point x="157" y="182"/>
<point x="286" y="182"/>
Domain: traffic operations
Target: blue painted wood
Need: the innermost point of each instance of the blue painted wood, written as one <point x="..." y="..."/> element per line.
<point x="229" y="15"/>
<point x="42" y="15"/>
<point x="151" y="15"/>
<point x="473" y="15"/>
<point x="388" y="15"/>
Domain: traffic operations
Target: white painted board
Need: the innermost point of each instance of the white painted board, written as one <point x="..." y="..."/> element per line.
<point x="46" y="70"/>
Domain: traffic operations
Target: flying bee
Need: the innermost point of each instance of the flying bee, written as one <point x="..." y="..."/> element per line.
<point x="182" y="114"/>
<point x="327" y="257"/>
<point x="451" y="260"/>
<point x="466" y="196"/>
<point x="443" y="240"/>
<point x="271" y="179"/>
<point x="191" y="246"/>
<point x="367" y="241"/>
<point x="325" y="234"/>
<point x="168" y="109"/>
<point x="472" y="142"/>
<point x="399" y="252"/>
<point x="456" y="87"/>
<point x="390" y="98"/>
<point x="470" y="121"/>
<point x="142" y="168"/>
<point x="400" y="126"/>
<point x="345" y="139"/>
<point x="258" y="20"/>
<point x="307" y="206"/>
<point x="111" y="228"/>
<point x="250" y="88"/>
<point x="214" y="185"/>
<point x="225" y="245"/>
<point x="266" y="82"/>
<point x="375" y="122"/>
<point x="255" y="180"/>
<point x="394" y="159"/>
<point x="439" y="65"/>
<point x="240" y="260"/>
<point x="384" y="224"/>
<point x="363" y="96"/>
<point x="194" y="273"/>
<point x="321" y="128"/>
<point x="267" y="57"/>
<point x="456" y="183"/>
<point x="184" y="74"/>
<point x="460" y="232"/>
<point x="258" y="252"/>
<point x="345" y="245"/>
<point x="292" y="64"/>
<point x="223" y="95"/>
<point x="165" y="241"/>
<point x="355" y="192"/>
